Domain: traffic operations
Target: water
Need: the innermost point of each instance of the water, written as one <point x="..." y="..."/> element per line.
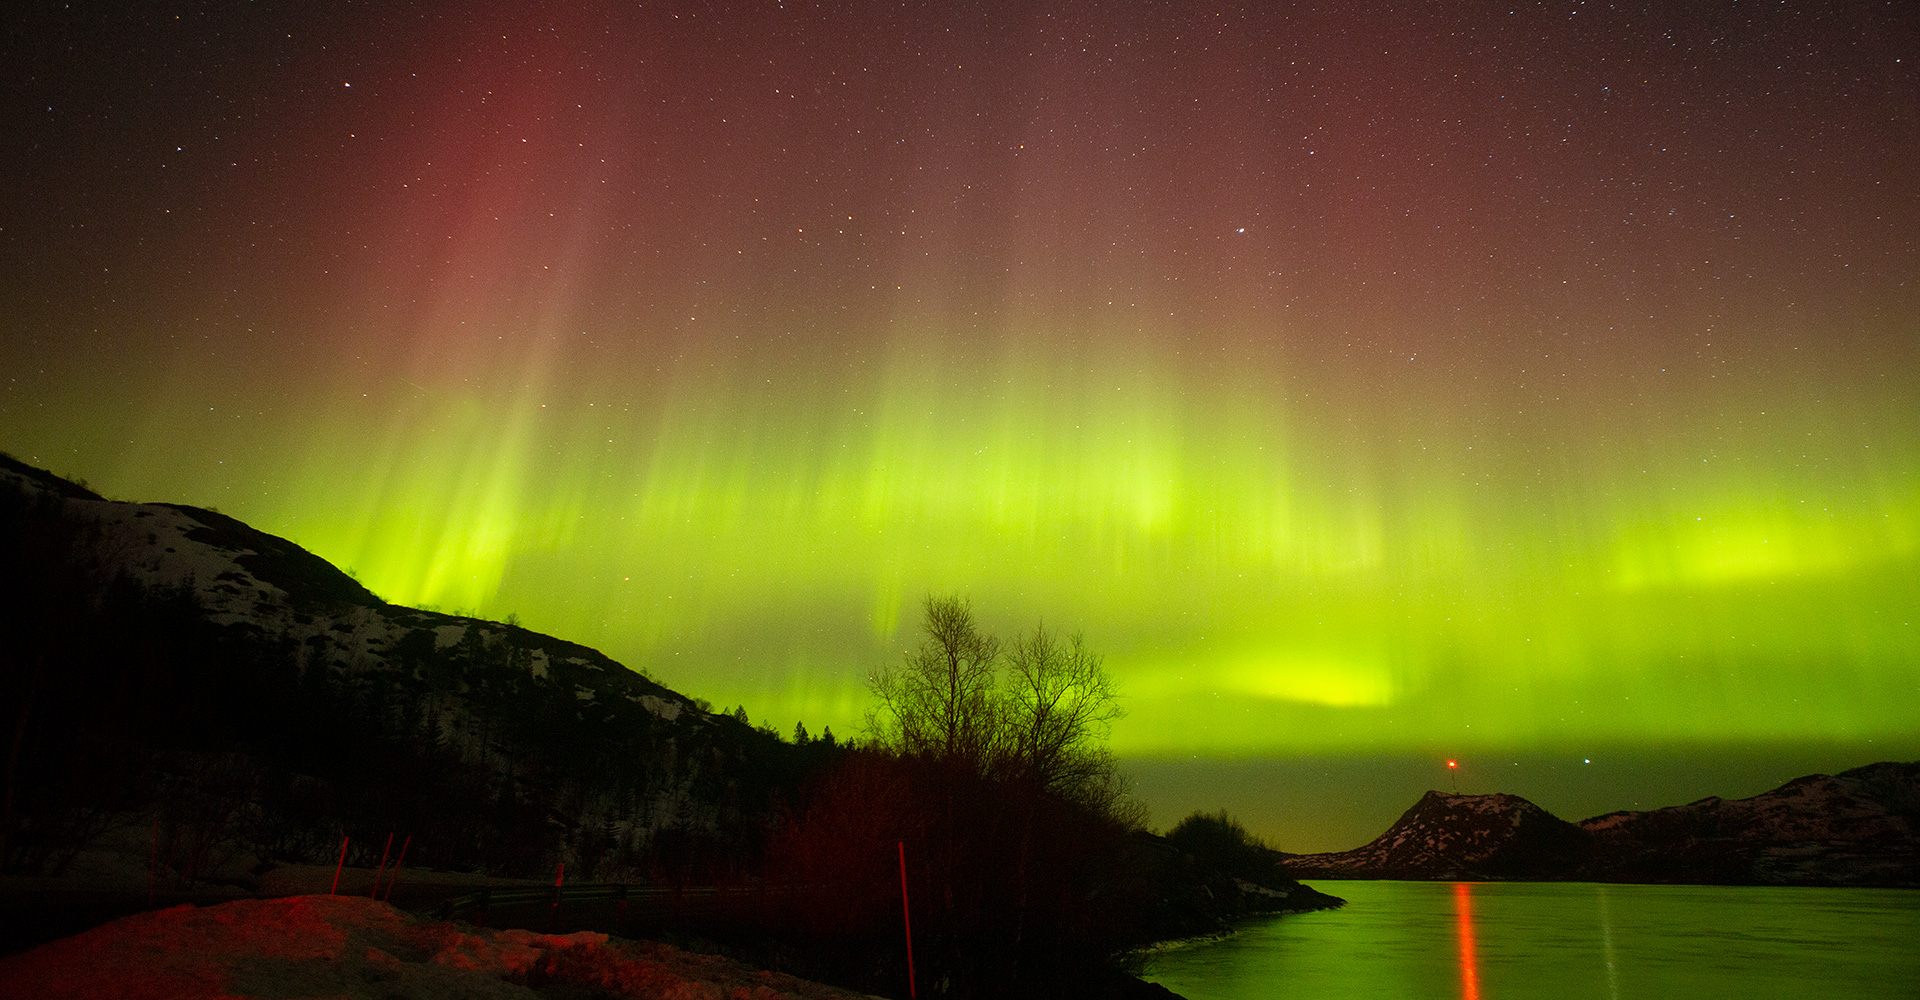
<point x="1571" y="940"/>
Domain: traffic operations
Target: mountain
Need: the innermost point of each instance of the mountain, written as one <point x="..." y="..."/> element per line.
<point x="1458" y="837"/>
<point x="1859" y="827"/>
<point x="179" y="669"/>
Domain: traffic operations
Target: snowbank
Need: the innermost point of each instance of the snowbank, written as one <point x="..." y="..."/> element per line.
<point x="346" y="947"/>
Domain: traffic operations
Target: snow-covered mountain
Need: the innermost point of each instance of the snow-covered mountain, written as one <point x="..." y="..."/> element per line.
<point x="1859" y="827"/>
<point x="1457" y="837"/>
<point x="260" y="584"/>
<point x="175" y="661"/>
<point x="263" y="584"/>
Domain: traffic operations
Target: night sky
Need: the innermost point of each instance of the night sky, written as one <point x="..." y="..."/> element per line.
<point x="1534" y="386"/>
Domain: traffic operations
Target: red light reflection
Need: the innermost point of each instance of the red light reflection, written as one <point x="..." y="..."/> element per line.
<point x="1463" y="932"/>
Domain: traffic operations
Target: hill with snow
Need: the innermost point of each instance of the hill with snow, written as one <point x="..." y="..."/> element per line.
<point x="1859" y="827"/>
<point x="184" y="674"/>
<point x="1457" y="837"/>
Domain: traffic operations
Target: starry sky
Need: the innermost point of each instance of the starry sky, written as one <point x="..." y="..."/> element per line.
<point x="1535" y="386"/>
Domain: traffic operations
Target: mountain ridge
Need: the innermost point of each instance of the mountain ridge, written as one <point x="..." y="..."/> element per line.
<point x="259" y="572"/>
<point x="1859" y="827"/>
<point x="168" y="646"/>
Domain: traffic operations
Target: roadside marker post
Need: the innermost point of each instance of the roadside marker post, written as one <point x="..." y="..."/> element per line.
<point x="906" y="918"/>
<point x="382" y="870"/>
<point x="396" y="868"/>
<point x="339" y="867"/>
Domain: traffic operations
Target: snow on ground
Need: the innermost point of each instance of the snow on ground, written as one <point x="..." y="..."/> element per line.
<point x="356" y="949"/>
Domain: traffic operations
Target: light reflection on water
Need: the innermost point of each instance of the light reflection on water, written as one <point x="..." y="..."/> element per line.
<point x="1463" y="931"/>
<point x="1505" y="940"/>
<point x="1606" y="943"/>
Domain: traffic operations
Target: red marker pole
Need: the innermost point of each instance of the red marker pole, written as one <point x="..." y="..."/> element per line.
<point x="341" y="865"/>
<point x="1453" y="772"/>
<point x="553" y="912"/>
<point x="396" y="866"/>
<point x="906" y="918"/>
<point x="382" y="870"/>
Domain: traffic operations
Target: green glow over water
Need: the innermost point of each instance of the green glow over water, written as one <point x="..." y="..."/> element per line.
<point x="1500" y="941"/>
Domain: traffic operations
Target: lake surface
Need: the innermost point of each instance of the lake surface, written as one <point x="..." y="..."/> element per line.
<point x="1574" y="940"/>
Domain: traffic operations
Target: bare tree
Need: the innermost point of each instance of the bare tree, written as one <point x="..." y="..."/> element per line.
<point x="940" y="702"/>
<point x="1060" y="708"/>
<point x="1009" y="781"/>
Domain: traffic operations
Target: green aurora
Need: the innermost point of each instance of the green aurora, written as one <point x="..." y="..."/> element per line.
<point x="1267" y="575"/>
<point x="1374" y="385"/>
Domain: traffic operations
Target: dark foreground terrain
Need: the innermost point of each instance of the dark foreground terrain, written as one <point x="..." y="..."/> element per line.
<point x="354" y="947"/>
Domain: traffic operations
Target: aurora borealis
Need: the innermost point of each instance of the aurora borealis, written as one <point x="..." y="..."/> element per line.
<point x="1372" y="384"/>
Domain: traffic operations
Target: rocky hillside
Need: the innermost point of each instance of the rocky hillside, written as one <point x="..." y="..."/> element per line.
<point x="183" y="670"/>
<point x="1458" y="837"/>
<point x="1859" y="827"/>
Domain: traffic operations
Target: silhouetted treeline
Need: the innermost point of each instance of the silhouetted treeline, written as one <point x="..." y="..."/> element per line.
<point x="1025" y="888"/>
<point x="1026" y="868"/>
